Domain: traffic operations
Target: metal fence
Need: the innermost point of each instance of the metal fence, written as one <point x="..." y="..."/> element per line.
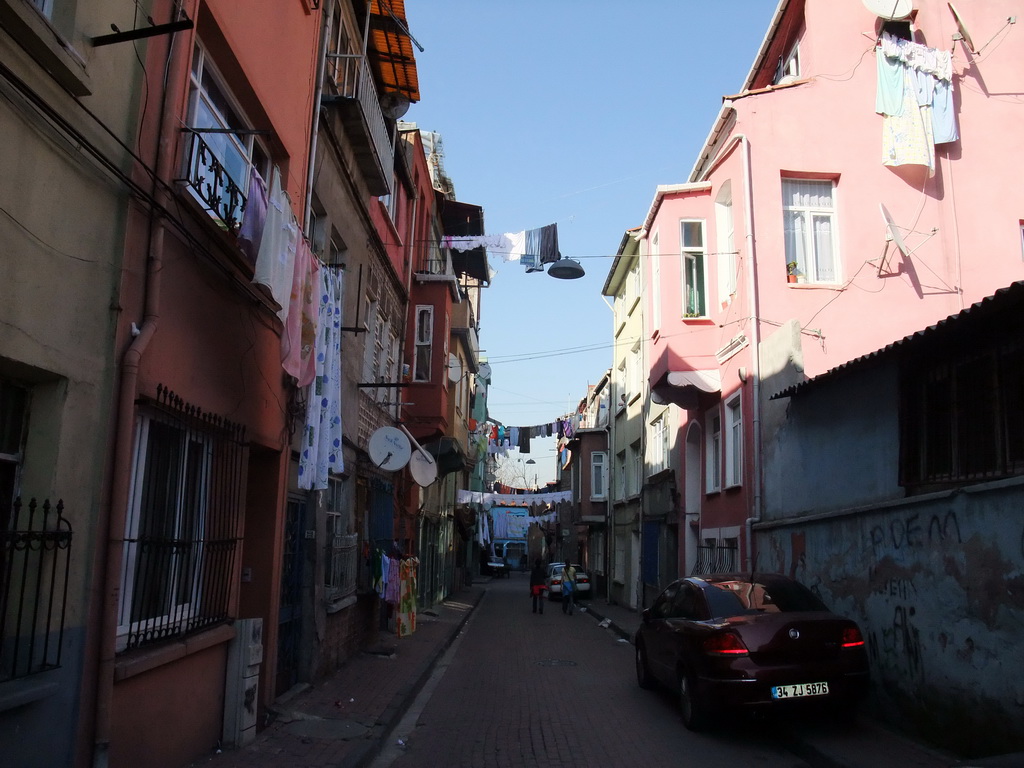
<point x="34" y="562"/>
<point x="715" y="558"/>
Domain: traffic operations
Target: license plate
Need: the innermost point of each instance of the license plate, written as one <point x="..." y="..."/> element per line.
<point x="798" y="690"/>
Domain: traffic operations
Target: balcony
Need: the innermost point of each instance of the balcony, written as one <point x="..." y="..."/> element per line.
<point x="350" y="90"/>
<point x="211" y="183"/>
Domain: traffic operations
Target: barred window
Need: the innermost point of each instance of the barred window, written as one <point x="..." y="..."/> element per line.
<point x="963" y="417"/>
<point x="181" y="530"/>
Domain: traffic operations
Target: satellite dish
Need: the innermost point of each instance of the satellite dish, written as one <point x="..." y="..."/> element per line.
<point x="389" y="448"/>
<point x="484" y="371"/>
<point x="894" y="234"/>
<point x="566" y="457"/>
<point x="962" y="29"/>
<point x="423" y="468"/>
<point x="454" y="368"/>
<point x="890" y="10"/>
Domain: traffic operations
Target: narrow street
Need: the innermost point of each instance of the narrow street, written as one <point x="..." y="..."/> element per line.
<point x="520" y="689"/>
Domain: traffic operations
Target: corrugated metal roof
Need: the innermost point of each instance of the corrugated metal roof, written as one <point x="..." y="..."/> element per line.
<point x="1000" y="301"/>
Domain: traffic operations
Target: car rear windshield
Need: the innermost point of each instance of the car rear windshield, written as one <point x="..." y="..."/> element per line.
<point x="734" y="598"/>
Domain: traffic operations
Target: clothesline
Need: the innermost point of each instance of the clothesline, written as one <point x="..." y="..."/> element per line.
<point x="490" y="499"/>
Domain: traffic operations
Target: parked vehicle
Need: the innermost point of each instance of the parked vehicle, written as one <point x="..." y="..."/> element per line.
<point x="727" y="641"/>
<point x="554" y="581"/>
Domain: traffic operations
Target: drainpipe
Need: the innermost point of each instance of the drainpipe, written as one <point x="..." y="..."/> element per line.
<point x="748" y="194"/>
<point x="125" y="415"/>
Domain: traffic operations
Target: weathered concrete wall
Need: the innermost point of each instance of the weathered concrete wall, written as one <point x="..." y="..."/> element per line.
<point x="936" y="581"/>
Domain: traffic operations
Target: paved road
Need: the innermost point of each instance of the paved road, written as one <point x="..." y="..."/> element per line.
<point x="551" y="691"/>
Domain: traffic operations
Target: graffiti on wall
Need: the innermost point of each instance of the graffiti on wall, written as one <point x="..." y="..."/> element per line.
<point x="913" y="531"/>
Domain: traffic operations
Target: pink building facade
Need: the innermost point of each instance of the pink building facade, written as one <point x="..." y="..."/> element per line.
<point x="816" y="227"/>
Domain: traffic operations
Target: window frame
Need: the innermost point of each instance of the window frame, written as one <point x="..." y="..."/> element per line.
<point x="713" y="451"/>
<point x="423" y="342"/>
<point x="598" y="476"/>
<point x="725" y="242"/>
<point x="178" y="613"/>
<point x="655" y="260"/>
<point x="733" y="439"/>
<point x="802" y="246"/>
<point x="659" y="444"/>
<point x="693" y="272"/>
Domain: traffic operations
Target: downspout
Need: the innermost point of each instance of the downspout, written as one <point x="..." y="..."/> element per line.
<point x="125" y="414"/>
<point x="315" y="121"/>
<point x="755" y="516"/>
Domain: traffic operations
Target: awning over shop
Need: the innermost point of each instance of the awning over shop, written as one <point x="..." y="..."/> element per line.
<point x="685" y="388"/>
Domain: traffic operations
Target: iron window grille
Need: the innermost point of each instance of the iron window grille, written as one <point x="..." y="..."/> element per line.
<point x="35" y="559"/>
<point x="182" y="527"/>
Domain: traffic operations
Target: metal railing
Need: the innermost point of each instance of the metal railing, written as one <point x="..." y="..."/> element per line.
<point x="211" y="183"/>
<point x="34" y="562"/>
<point x="713" y="558"/>
<point x="353" y="79"/>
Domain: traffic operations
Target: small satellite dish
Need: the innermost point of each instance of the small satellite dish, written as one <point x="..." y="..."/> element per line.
<point x="454" y="368"/>
<point x="423" y="468"/>
<point x="890" y="10"/>
<point x="894" y="234"/>
<point x="389" y="448"/>
<point x="484" y="371"/>
<point x="566" y="457"/>
<point x="962" y="33"/>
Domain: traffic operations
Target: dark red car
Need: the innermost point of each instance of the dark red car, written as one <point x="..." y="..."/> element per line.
<point x="740" y="640"/>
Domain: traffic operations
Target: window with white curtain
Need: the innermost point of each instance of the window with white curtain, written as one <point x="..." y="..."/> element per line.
<point x="809" y="225"/>
<point x="636" y="461"/>
<point x="691" y="239"/>
<point x="733" y="442"/>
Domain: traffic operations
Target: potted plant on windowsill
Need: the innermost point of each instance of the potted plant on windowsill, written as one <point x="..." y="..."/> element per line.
<point x="792" y="273"/>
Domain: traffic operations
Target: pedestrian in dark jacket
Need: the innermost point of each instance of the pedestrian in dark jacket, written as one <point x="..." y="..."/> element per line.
<point x="537" y="586"/>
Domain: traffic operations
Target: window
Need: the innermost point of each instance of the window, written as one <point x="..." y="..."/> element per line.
<point x="635" y="285"/>
<point x="620" y="475"/>
<point x="14" y="401"/>
<point x="182" y="524"/>
<point x="962" y="415"/>
<point x="45" y="7"/>
<point x="810" y="230"/>
<point x="636" y="460"/>
<point x="788" y="68"/>
<point x="691" y="238"/>
<point x="655" y="261"/>
<point x="714" y="452"/>
<point x="733" y="443"/>
<point x="598" y="479"/>
<point x="340" y="562"/>
<point x="424" y="341"/>
<point x="635" y="372"/>
<point x="726" y="246"/>
<point x="342" y="64"/>
<point x="659" y="444"/>
<point x="222" y="149"/>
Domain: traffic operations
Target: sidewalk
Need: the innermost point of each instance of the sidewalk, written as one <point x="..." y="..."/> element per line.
<point x="865" y="745"/>
<point x="342" y="722"/>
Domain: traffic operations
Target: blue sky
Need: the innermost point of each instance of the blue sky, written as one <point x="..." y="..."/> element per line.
<point x="569" y="112"/>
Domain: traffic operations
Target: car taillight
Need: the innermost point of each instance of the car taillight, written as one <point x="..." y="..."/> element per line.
<point x="725" y="644"/>
<point x="555" y="581"/>
<point x="852" y="637"/>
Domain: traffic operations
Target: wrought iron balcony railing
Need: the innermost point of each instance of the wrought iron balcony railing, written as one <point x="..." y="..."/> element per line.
<point x="35" y="556"/>
<point x="212" y="184"/>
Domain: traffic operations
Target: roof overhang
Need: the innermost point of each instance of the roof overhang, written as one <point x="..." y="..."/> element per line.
<point x="687" y="389"/>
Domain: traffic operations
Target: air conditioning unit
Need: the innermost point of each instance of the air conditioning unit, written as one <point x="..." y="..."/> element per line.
<point x="242" y="683"/>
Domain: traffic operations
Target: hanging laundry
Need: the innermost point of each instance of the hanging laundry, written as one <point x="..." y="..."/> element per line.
<point x="943" y="114"/>
<point x="907" y="137"/>
<point x="320" y="444"/>
<point x="299" y="335"/>
<point x="275" y="261"/>
<point x="254" y="218"/>
<point x="549" y="244"/>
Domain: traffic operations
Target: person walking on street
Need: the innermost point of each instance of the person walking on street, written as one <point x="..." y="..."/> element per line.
<point x="537" y="586"/>
<point x="568" y="588"/>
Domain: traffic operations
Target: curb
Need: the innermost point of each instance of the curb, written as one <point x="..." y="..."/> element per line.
<point x="611" y="624"/>
<point x="366" y="752"/>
